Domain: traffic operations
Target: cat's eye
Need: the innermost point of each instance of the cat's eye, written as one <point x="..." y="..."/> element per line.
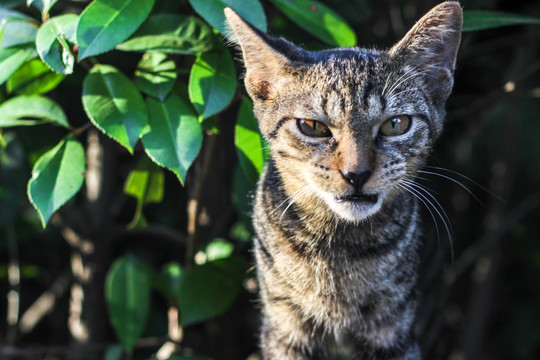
<point x="396" y="125"/>
<point x="313" y="128"/>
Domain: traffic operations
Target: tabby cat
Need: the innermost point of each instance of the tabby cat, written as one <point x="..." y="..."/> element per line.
<point x="336" y="219"/>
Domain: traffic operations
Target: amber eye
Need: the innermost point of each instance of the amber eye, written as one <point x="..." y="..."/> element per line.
<point x="396" y="125"/>
<point x="313" y="128"/>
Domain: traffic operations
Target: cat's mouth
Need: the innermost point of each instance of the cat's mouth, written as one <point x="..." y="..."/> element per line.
<point x="358" y="198"/>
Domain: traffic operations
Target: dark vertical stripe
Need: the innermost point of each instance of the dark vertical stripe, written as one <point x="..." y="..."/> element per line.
<point x="279" y="124"/>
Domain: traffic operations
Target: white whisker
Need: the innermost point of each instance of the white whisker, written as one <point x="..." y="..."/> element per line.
<point x="419" y="190"/>
<point x="297" y="194"/>
<point x="466" y="178"/>
<point x="456" y="182"/>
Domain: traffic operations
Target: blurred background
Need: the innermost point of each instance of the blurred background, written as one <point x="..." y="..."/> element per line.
<point x="480" y="279"/>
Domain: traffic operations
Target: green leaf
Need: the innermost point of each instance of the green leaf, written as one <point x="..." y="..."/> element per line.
<point x="156" y="75"/>
<point x="10" y="61"/>
<point x="17" y="31"/>
<point x="208" y="290"/>
<point x="171" y="33"/>
<point x="168" y="280"/>
<point x="242" y="194"/>
<point x="318" y="20"/>
<point x="6" y="13"/>
<point x="57" y="176"/>
<point x="250" y="145"/>
<point x="480" y="20"/>
<point x="146" y="183"/>
<point x="106" y="23"/>
<point x="218" y="249"/>
<point x="174" y="137"/>
<point x="127" y="293"/>
<point x="51" y="42"/>
<point x="113" y="352"/>
<point x="34" y="77"/>
<point x="42" y="5"/>
<point x="31" y="110"/>
<point x="212" y="11"/>
<point x="114" y="105"/>
<point x="212" y="83"/>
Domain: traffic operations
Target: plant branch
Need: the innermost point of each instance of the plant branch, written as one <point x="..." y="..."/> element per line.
<point x="194" y="202"/>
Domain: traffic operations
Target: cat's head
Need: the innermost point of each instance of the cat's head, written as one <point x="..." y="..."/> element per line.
<point x="346" y="127"/>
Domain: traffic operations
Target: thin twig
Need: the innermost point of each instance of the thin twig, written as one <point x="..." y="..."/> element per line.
<point x="14" y="278"/>
<point x="194" y="202"/>
<point x="45" y="303"/>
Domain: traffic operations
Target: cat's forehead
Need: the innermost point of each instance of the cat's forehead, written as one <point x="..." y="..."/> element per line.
<point x="348" y="61"/>
<point x="343" y="83"/>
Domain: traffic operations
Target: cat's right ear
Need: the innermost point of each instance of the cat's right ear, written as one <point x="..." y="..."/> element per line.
<point x="264" y="64"/>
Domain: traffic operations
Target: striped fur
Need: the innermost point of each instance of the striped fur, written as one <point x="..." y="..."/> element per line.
<point x="342" y="274"/>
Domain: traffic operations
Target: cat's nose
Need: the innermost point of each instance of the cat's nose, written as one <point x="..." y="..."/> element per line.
<point x="356" y="179"/>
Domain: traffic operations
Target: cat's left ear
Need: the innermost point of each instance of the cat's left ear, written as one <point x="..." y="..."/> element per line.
<point x="431" y="47"/>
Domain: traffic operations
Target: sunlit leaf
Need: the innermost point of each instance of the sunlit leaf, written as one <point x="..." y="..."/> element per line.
<point x="481" y="20"/>
<point x="127" y="293"/>
<point x="145" y="183"/>
<point x="174" y="137"/>
<point x="16" y="31"/>
<point x="106" y="23"/>
<point x="31" y="110"/>
<point x="10" y="61"/>
<point x="51" y="42"/>
<point x="218" y="249"/>
<point x="319" y="20"/>
<point x="156" y="74"/>
<point x="250" y="146"/>
<point x="212" y="82"/>
<point x="34" y="77"/>
<point x="212" y="11"/>
<point x="57" y="176"/>
<point x="171" y="33"/>
<point x="208" y="290"/>
<point x="42" y="5"/>
<point x="114" y="105"/>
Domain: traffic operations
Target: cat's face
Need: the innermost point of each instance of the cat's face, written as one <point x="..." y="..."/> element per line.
<point x="348" y="127"/>
<point x="349" y="140"/>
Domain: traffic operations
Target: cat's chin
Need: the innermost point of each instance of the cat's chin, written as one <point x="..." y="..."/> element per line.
<point x="354" y="208"/>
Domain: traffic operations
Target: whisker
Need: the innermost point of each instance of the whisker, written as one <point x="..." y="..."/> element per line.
<point x="403" y="187"/>
<point x="468" y="179"/>
<point x="456" y="182"/>
<point x="288" y="197"/>
<point x="426" y="191"/>
<point x="445" y="220"/>
<point x="304" y="190"/>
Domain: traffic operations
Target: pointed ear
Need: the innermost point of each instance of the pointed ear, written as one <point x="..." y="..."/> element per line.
<point x="431" y="47"/>
<point x="265" y="57"/>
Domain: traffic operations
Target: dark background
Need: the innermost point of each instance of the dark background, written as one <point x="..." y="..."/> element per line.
<point x="481" y="285"/>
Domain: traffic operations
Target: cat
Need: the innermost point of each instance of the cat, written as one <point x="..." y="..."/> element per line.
<point x="335" y="216"/>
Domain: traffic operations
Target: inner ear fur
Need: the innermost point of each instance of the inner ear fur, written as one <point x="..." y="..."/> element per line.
<point x="431" y="46"/>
